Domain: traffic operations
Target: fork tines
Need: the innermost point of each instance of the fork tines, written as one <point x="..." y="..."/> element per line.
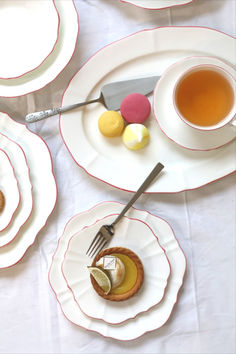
<point x="100" y="240"/>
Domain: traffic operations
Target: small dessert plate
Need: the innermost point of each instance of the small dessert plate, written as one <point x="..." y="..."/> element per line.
<point x="151" y="320"/>
<point x="9" y="187"/>
<point x="44" y="188"/>
<point x="21" y="168"/>
<point x="135" y="235"/>
<point x="170" y="122"/>
<point x="157" y="4"/>
<point x="31" y="30"/>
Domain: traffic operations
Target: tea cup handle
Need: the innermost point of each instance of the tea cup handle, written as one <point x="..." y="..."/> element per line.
<point x="233" y="122"/>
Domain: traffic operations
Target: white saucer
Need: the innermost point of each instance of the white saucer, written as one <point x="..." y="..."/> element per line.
<point x="168" y="119"/>
<point x="44" y="188"/>
<point x="135" y="235"/>
<point x="55" y="62"/>
<point x="29" y="31"/>
<point x="22" y="172"/>
<point x="148" y="321"/>
<point x="157" y="4"/>
<point x="10" y="189"/>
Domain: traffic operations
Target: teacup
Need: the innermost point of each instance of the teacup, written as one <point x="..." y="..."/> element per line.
<point x="204" y="97"/>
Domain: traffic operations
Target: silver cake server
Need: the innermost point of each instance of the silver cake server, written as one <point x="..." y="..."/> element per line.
<point x="111" y="96"/>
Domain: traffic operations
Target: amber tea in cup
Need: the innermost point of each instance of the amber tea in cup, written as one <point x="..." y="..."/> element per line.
<point x="204" y="97"/>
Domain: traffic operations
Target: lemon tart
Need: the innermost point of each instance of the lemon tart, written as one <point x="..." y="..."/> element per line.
<point x="125" y="273"/>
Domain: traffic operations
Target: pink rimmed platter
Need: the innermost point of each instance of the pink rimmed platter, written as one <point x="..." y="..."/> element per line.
<point x="22" y="172"/>
<point x="135" y="235"/>
<point x="55" y="62"/>
<point x="30" y="31"/>
<point x="157" y="4"/>
<point x="173" y="126"/>
<point x="146" y="322"/>
<point x="44" y="188"/>
<point x="145" y="53"/>
<point x="10" y="189"/>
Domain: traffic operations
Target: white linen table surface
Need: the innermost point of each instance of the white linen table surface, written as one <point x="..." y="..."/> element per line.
<point x="203" y="321"/>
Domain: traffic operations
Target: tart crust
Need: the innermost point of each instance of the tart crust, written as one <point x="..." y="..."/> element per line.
<point x="140" y="274"/>
<point x="2" y="201"/>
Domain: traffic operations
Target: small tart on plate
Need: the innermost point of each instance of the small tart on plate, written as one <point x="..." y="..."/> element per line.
<point x="127" y="277"/>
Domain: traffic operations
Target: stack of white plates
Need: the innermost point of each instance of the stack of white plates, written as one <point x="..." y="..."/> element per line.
<point x="29" y="188"/>
<point x="39" y="41"/>
<point x="152" y="239"/>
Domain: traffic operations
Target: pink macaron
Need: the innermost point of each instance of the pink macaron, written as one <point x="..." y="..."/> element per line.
<point x="135" y="108"/>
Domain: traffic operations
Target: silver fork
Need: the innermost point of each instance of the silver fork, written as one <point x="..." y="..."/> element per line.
<point x="106" y="232"/>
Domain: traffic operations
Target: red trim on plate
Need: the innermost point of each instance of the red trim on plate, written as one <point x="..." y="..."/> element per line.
<point x="57" y="36"/>
<point x="58" y="245"/>
<point x="157" y="8"/>
<point x="19" y="195"/>
<point x="55" y="187"/>
<point x="30" y="184"/>
<point x="40" y="88"/>
<point x="130" y="318"/>
<point x="60" y="117"/>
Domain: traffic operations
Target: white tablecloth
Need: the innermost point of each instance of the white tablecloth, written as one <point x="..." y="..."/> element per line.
<point x="203" y="321"/>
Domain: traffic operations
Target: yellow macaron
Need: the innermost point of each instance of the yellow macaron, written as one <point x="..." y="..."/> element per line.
<point x="135" y="136"/>
<point x="111" y="124"/>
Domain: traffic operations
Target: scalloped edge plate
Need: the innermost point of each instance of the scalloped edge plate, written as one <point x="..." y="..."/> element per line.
<point x="22" y="172"/>
<point x="108" y="160"/>
<point x="55" y="62"/>
<point x="31" y="31"/>
<point x="128" y="234"/>
<point x="146" y="322"/>
<point x="10" y="188"/>
<point x="44" y="188"/>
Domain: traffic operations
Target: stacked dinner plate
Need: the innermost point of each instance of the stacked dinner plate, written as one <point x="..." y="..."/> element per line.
<point x="39" y="40"/>
<point x="28" y="189"/>
<point x="152" y="239"/>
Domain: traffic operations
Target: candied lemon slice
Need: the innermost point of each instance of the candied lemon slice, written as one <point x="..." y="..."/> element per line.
<point x="101" y="278"/>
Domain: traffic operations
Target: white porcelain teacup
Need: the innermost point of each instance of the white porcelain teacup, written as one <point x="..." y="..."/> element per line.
<point x="204" y="97"/>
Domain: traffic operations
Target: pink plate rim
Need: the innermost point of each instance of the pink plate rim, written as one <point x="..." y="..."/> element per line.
<point x="88" y="226"/>
<point x="26" y="162"/>
<point x="56" y="196"/>
<point x="53" y="47"/>
<point x="68" y="62"/>
<point x="17" y="184"/>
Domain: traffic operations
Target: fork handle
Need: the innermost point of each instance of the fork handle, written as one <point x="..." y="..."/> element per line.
<point x="157" y="169"/>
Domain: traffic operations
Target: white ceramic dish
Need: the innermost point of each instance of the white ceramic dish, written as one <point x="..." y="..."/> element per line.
<point x="144" y="53"/>
<point x="30" y="30"/>
<point x="55" y="62"/>
<point x="22" y="172"/>
<point x="135" y="235"/>
<point x="148" y="321"/>
<point x="10" y="189"/>
<point x="157" y="4"/>
<point x="174" y="127"/>
<point x="44" y="188"/>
